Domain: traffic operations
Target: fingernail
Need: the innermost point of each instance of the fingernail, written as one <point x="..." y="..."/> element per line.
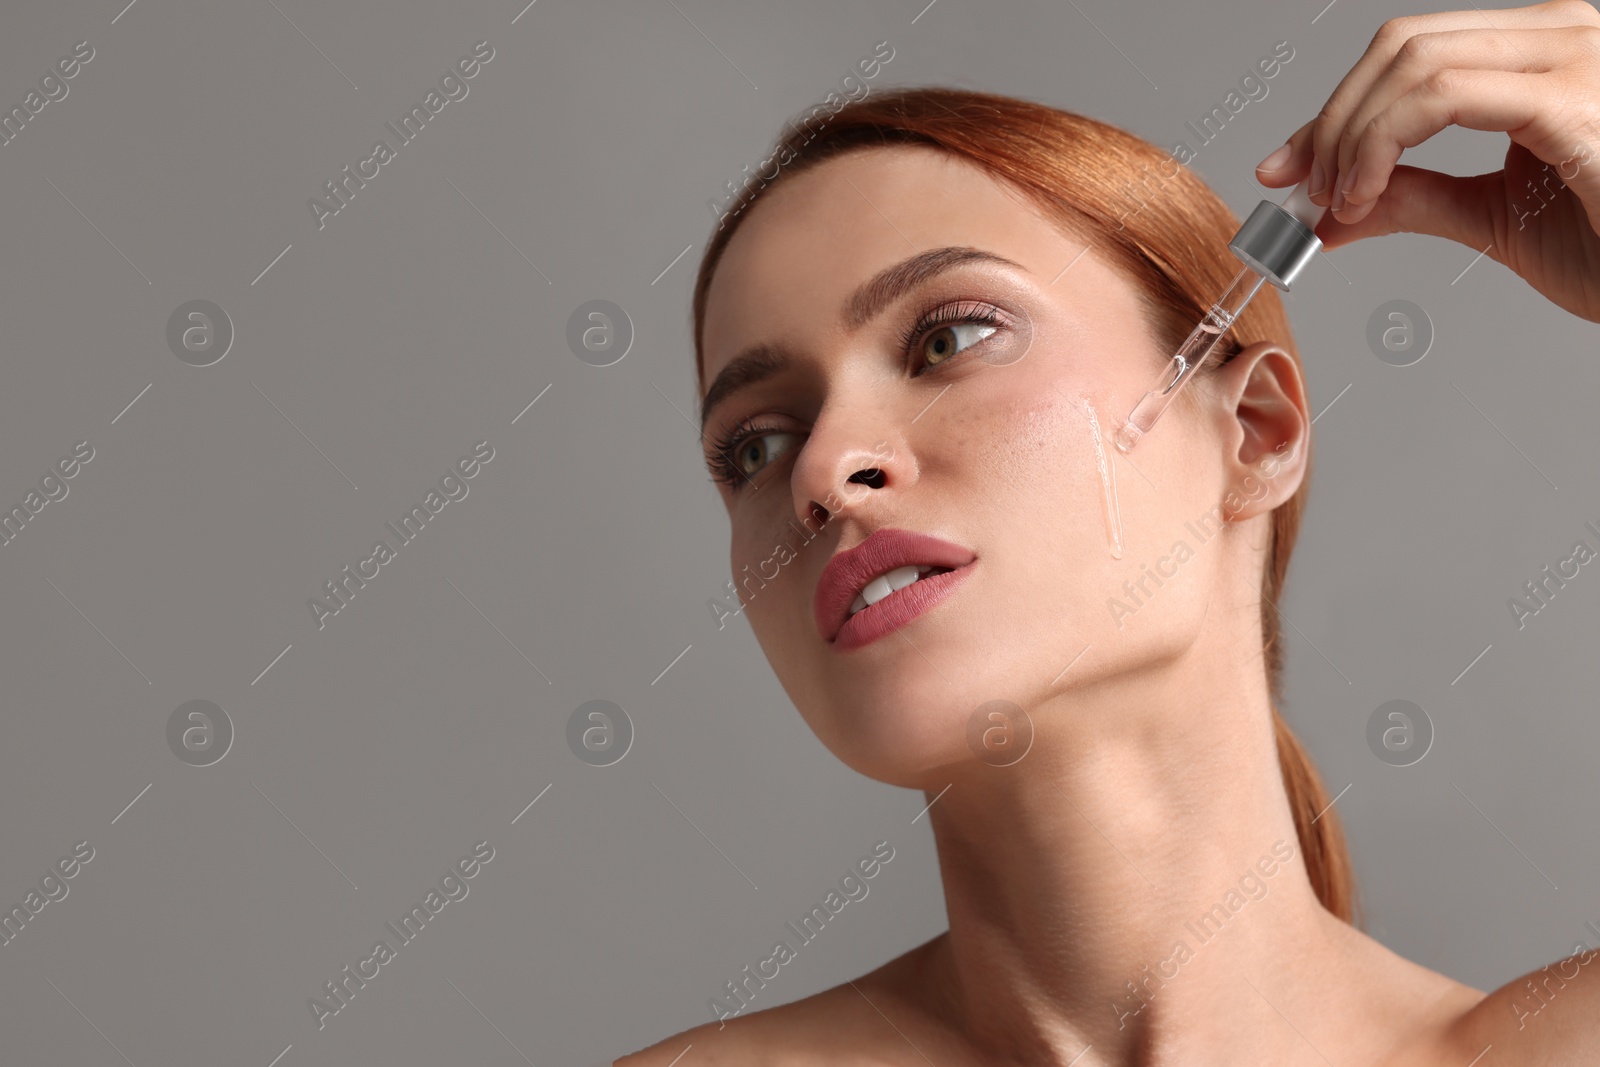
<point x="1350" y="179"/>
<point x="1319" y="177"/>
<point x="1337" y="201"/>
<point x="1276" y="160"/>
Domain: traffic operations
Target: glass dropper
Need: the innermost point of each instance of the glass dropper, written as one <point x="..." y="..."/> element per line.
<point x="1275" y="243"/>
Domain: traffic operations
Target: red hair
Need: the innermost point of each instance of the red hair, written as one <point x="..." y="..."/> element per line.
<point x="1170" y="240"/>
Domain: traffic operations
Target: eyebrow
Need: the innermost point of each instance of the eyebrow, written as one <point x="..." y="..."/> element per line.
<point x="762" y="361"/>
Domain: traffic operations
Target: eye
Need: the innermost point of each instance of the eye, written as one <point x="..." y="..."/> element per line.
<point x="942" y="333"/>
<point x="946" y="341"/>
<point x="743" y="452"/>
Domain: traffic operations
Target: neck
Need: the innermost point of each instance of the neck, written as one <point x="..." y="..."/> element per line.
<point x="1121" y="883"/>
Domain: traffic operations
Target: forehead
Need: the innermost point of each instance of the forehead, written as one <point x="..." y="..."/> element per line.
<point x="810" y="238"/>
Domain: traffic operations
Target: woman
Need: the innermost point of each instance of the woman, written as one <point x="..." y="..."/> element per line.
<point x="932" y="322"/>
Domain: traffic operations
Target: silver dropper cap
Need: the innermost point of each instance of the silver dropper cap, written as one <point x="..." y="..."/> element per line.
<point x="1278" y="240"/>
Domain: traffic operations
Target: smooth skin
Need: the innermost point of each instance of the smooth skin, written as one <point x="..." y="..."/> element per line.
<point x="1152" y="786"/>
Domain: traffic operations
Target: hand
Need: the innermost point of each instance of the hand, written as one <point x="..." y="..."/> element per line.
<point x="1530" y="72"/>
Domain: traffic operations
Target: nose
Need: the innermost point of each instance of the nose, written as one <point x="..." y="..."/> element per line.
<point x="842" y="461"/>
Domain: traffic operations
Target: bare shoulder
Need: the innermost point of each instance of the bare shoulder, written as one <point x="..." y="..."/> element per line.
<point x="811" y="1031"/>
<point x="861" y="1021"/>
<point x="1549" y="1016"/>
<point x="759" y="1040"/>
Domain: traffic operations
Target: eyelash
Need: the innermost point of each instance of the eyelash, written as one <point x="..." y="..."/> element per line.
<point x="726" y="472"/>
<point x="936" y="315"/>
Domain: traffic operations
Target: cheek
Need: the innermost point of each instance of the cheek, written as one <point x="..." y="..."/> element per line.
<point x="1073" y="520"/>
<point x="1038" y="468"/>
<point x="770" y="558"/>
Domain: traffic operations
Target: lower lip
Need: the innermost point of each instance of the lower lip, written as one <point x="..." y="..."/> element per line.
<point x="899" y="608"/>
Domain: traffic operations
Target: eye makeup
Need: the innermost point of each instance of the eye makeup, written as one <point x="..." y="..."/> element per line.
<point x="948" y="307"/>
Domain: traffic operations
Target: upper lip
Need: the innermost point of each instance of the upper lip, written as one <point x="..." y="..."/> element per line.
<point x="848" y="572"/>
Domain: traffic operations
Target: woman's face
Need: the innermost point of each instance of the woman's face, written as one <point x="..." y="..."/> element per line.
<point x="983" y="438"/>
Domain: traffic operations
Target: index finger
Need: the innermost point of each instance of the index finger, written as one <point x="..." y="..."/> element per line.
<point x="1328" y="128"/>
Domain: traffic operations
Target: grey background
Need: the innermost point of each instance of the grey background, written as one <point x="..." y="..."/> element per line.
<point x="373" y="353"/>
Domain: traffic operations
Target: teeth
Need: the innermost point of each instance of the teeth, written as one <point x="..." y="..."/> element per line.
<point x="884" y="584"/>
<point x="901" y="578"/>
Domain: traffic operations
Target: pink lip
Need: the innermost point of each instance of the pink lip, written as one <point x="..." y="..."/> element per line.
<point x="885" y="550"/>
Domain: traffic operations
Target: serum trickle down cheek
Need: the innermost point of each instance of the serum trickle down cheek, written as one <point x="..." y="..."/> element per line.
<point x="1108" y="482"/>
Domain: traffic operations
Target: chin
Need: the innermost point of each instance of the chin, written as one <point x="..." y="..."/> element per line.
<point x="898" y="724"/>
<point x="918" y="765"/>
<point x="898" y="709"/>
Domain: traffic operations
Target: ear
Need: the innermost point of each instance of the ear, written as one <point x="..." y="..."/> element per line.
<point x="1265" y="424"/>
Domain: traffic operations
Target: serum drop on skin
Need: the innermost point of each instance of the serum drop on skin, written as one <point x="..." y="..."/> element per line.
<point x="1108" y="483"/>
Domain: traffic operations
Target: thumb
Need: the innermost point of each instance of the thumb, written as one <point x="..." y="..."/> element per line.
<point x="1425" y="201"/>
